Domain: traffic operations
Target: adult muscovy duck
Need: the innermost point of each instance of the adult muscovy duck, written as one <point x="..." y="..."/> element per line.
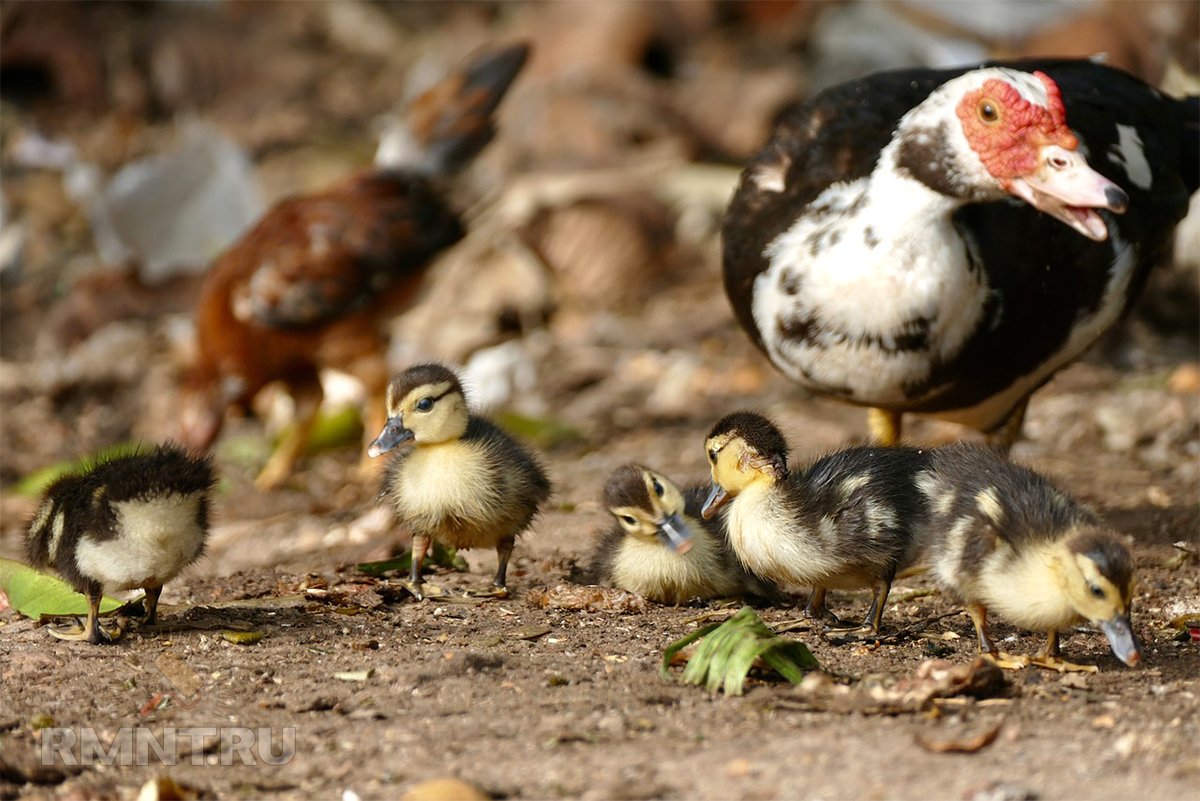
<point x="942" y="241"/>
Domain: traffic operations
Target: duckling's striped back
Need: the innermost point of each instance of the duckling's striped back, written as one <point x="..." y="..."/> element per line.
<point x="987" y="514"/>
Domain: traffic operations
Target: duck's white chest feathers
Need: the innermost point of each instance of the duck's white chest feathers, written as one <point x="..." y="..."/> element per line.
<point x="869" y="289"/>
<point x="662" y="575"/>
<point x="770" y="541"/>
<point x="157" y="537"/>
<point x="450" y="492"/>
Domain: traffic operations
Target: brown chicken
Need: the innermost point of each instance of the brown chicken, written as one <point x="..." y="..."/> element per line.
<point x="314" y="282"/>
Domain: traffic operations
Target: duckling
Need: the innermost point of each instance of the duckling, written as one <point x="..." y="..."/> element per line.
<point x="125" y="523"/>
<point x="851" y="519"/>
<point x="660" y="550"/>
<point x="464" y="483"/>
<point x="1008" y="541"/>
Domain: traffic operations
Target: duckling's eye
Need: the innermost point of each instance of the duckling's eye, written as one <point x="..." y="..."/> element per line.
<point x="1097" y="591"/>
<point x="712" y="455"/>
<point x="629" y="520"/>
<point x="424" y="404"/>
<point x="988" y="111"/>
<point x="658" y="488"/>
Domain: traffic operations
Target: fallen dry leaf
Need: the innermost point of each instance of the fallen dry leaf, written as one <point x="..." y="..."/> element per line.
<point x="179" y="673"/>
<point x="444" y="790"/>
<point x="966" y="746"/>
<point x="530" y="632"/>
<point x="587" y="598"/>
<point x="164" y="788"/>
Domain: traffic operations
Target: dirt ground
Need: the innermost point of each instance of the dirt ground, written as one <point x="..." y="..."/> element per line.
<point x="369" y="693"/>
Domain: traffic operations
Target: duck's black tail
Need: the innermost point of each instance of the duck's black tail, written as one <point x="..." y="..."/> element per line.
<point x="1188" y="112"/>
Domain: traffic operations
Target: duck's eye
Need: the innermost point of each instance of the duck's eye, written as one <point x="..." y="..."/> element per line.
<point x="712" y="455"/>
<point x="1097" y="591"/>
<point x="658" y="488"/>
<point x="629" y="520"/>
<point x="424" y="404"/>
<point x="988" y="111"/>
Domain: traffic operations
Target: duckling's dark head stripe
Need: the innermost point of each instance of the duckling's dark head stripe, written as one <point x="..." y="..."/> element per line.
<point x="757" y="431"/>
<point x="625" y="487"/>
<point x="1111" y="558"/>
<point x="422" y="374"/>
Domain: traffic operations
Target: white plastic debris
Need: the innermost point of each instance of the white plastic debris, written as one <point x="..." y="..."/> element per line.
<point x="501" y="376"/>
<point x="12" y="241"/>
<point x="172" y="212"/>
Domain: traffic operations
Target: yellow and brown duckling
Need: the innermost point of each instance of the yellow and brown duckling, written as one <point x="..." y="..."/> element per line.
<point x="130" y="522"/>
<point x="660" y="549"/>
<point x="464" y="482"/>
<point x="849" y="520"/>
<point x="1006" y="540"/>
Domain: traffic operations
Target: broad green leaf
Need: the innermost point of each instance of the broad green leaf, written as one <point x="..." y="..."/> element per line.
<point x="33" y="593"/>
<point x="727" y="651"/>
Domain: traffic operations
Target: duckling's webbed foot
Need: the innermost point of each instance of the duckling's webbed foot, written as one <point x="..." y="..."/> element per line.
<point x="415" y="585"/>
<point x="91" y="631"/>
<point x="504" y="550"/>
<point x="1061" y="665"/>
<point x="1050" y="657"/>
<point x="874" y="618"/>
<point x="816" y="609"/>
<point x="491" y="592"/>
<point x="1007" y="661"/>
<point x="151" y="604"/>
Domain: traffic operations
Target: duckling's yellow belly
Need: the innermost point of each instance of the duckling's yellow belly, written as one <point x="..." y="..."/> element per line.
<point x="1025" y="591"/>
<point x="157" y="537"/>
<point x="449" y="492"/>
<point x="662" y="575"/>
<point x="769" y="541"/>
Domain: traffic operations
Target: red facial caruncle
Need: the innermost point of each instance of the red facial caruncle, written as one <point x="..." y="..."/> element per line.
<point x="1007" y="131"/>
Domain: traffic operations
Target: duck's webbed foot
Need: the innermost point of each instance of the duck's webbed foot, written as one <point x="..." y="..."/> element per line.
<point x="886" y="426"/>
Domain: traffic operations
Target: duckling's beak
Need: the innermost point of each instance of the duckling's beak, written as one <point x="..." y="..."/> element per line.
<point x="1119" y="632"/>
<point x="717" y="497"/>
<point x="394" y="433"/>
<point x="675" y="534"/>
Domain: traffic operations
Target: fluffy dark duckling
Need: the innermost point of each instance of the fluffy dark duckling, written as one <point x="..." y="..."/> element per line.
<point x="660" y="549"/>
<point x="1008" y="541"/>
<point x="849" y="520"/>
<point x="125" y="523"/>
<point x="464" y="483"/>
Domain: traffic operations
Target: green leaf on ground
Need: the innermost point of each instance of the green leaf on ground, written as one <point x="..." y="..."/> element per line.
<point x="33" y="593"/>
<point x="333" y="430"/>
<point x="727" y="651"/>
<point x="545" y="432"/>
